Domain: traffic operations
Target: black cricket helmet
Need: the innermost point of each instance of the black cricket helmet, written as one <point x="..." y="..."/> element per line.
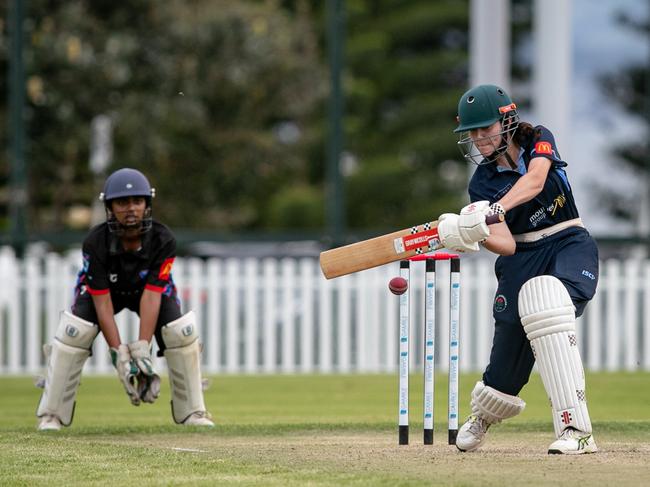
<point x="481" y="107"/>
<point x="122" y="184"/>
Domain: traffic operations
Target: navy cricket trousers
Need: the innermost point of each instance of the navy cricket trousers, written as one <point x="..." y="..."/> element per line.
<point x="570" y="255"/>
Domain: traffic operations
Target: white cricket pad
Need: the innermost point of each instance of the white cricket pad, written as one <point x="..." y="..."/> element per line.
<point x="183" y="354"/>
<point x="547" y="314"/>
<point x="65" y="360"/>
<point x="494" y="406"/>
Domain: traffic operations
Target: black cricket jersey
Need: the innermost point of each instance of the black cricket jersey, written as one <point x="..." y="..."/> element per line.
<point x="554" y="204"/>
<point x="107" y="267"/>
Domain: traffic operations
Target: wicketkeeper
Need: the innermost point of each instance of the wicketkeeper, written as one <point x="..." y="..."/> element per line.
<point x="127" y="263"/>
<point x="547" y="269"/>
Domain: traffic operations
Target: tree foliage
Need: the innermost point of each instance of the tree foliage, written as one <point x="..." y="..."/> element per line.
<point x="202" y="95"/>
<point x="629" y="88"/>
<point x="222" y="104"/>
<point x="405" y="70"/>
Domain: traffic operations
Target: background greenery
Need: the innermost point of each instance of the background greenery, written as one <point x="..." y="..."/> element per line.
<point x="222" y="104"/>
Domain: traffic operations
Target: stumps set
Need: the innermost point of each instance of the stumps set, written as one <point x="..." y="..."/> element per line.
<point x="429" y="346"/>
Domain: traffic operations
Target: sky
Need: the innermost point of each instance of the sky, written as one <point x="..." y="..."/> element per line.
<point x="601" y="45"/>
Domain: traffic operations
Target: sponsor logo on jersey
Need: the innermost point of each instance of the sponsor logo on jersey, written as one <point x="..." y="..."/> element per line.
<point x="112" y="277"/>
<point x="166" y="269"/>
<point x="536" y="218"/>
<point x="544" y="148"/>
<point x="558" y="202"/>
<point x="588" y="274"/>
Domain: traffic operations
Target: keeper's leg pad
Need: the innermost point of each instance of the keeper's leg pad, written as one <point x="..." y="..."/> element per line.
<point x="65" y="360"/>
<point x="548" y="317"/>
<point x="494" y="406"/>
<point x="183" y="354"/>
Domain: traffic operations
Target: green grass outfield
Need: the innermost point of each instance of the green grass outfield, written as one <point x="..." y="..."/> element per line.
<point x="314" y="430"/>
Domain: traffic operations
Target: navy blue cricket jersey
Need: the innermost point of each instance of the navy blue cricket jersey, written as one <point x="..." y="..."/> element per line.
<point x="554" y="204"/>
<point x="570" y="255"/>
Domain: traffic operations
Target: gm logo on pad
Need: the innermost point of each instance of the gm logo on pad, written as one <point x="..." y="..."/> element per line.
<point x="71" y="331"/>
<point x="187" y="330"/>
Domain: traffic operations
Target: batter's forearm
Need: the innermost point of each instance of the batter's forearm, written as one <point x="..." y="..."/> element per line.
<point x="500" y="240"/>
<point x="524" y="190"/>
<point x="529" y="185"/>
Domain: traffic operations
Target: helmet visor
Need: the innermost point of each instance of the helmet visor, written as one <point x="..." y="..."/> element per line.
<point x="487" y="149"/>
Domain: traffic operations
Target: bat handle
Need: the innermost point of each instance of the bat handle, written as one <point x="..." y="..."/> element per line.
<point x="492" y="219"/>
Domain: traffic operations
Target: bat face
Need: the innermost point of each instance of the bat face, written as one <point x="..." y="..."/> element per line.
<point x="380" y="250"/>
<point x="385" y="249"/>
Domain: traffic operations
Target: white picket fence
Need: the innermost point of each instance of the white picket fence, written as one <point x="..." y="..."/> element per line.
<point x="281" y="316"/>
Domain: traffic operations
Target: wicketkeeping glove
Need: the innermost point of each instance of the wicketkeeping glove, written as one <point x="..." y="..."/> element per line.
<point x="126" y="371"/>
<point x="148" y="380"/>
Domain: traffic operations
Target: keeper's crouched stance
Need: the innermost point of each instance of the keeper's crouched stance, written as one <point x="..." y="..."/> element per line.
<point x="70" y="348"/>
<point x="127" y="263"/>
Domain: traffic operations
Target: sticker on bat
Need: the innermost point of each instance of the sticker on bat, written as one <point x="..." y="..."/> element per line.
<point x="415" y="240"/>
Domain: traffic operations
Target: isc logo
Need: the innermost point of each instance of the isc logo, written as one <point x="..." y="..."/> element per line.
<point x="588" y="274"/>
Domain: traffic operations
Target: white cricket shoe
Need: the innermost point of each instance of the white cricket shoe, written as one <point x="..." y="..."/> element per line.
<point x="573" y="442"/>
<point x="472" y="434"/>
<point x="49" y="423"/>
<point x="200" y="418"/>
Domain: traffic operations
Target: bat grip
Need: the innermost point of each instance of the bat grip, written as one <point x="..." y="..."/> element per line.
<point x="492" y="219"/>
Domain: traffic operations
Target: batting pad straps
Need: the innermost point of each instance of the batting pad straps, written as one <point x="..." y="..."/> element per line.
<point x="547" y="315"/>
<point x="65" y="360"/>
<point x="494" y="406"/>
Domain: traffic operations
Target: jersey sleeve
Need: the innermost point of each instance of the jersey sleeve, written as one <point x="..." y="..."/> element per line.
<point x="161" y="268"/>
<point x="94" y="270"/>
<point x="543" y="145"/>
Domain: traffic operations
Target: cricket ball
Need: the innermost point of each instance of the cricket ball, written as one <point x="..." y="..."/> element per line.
<point x="398" y="285"/>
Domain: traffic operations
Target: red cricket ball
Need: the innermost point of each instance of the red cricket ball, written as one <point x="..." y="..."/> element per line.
<point x="398" y="285"/>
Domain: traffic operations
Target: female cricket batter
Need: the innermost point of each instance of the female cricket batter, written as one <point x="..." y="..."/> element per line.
<point x="547" y="268"/>
<point x="127" y="263"/>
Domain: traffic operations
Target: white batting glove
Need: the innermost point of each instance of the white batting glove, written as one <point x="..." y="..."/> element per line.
<point x="126" y="371"/>
<point x="471" y="223"/>
<point x="450" y="235"/>
<point x="148" y="380"/>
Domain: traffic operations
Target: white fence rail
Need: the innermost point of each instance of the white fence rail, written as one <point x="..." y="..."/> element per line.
<point x="282" y="316"/>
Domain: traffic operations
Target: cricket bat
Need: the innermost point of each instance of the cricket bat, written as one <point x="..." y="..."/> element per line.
<point x="387" y="248"/>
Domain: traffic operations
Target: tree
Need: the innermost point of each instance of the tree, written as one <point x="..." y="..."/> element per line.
<point x="630" y="89"/>
<point x="208" y="98"/>
<point x="406" y="68"/>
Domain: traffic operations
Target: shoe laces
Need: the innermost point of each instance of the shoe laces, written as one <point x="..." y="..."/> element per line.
<point x="477" y="425"/>
<point x="571" y="433"/>
<point x="202" y="414"/>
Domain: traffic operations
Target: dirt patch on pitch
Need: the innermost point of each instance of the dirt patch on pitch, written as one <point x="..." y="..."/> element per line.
<point x="507" y="458"/>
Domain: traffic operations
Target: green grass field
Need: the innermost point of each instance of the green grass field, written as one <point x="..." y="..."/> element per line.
<point x="314" y="430"/>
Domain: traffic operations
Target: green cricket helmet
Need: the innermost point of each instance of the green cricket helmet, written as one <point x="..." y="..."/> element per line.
<point x="481" y="107"/>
